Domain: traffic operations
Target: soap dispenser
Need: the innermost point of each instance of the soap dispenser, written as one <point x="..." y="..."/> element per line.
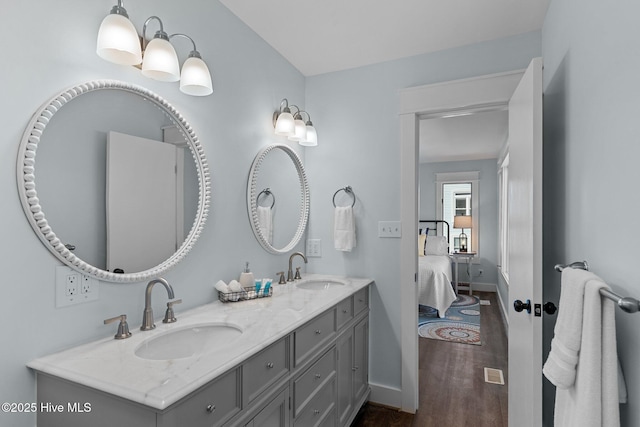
<point x="246" y="277"/>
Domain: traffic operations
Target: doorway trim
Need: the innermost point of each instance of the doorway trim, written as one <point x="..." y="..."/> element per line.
<point x="454" y="95"/>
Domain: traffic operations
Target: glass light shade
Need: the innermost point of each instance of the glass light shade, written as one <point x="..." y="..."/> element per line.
<point x="118" y="41"/>
<point x="463" y="242"/>
<point x="312" y="137"/>
<point x="299" y="132"/>
<point x="195" y="78"/>
<point x="285" y="124"/>
<point x="160" y="61"/>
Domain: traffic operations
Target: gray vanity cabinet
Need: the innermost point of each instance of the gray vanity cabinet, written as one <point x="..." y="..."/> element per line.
<point x="317" y="375"/>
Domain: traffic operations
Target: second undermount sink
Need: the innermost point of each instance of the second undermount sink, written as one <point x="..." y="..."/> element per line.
<point x="188" y="341"/>
<point x="319" y="285"/>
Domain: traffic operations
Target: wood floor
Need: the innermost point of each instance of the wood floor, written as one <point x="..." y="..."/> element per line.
<point x="453" y="392"/>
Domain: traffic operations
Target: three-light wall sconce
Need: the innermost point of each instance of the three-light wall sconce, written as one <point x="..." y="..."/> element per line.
<point x="119" y="42"/>
<point x="293" y="126"/>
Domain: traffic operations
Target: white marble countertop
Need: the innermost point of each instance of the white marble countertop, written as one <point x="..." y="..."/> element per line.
<point x="111" y="366"/>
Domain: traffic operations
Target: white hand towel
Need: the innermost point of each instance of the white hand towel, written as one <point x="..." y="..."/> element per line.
<point x="237" y="289"/>
<point x="560" y="367"/>
<point x="344" y="229"/>
<point x="235" y="286"/>
<point x="222" y="287"/>
<point x="592" y="399"/>
<point x="265" y="218"/>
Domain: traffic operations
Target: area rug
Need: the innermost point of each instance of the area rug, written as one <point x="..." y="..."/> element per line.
<point x="461" y="323"/>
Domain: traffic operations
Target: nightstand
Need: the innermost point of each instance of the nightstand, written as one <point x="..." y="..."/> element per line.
<point x="467" y="257"/>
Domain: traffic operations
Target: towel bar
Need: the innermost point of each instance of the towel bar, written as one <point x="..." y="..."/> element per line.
<point x="347" y="190"/>
<point x="627" y="304"/>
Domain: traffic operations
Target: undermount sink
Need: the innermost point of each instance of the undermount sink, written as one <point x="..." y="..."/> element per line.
<point x="187" y="341"/>
<point x="319" y="285"/>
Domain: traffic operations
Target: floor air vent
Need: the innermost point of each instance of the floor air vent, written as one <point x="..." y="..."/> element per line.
<point x="493" y="376"/>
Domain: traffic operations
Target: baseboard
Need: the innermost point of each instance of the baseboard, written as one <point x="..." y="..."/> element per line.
<point x="504" y="313"/>
<point x="385" y="395"/>
<point x="478" y="286"/>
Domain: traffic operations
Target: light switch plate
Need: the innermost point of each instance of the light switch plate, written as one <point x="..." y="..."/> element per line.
<point x="314" y="248"/>
<point x="389" y="229"/>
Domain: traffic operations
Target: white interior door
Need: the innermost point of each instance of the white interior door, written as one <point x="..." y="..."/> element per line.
<point x="141" y="202"/>
<point x="525" y="248"/>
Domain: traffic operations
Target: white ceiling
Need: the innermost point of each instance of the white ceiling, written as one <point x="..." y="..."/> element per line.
<point x="321" y="36"/>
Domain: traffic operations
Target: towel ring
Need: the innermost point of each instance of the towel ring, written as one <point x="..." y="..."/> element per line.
<point x="347" y="190"/>
<point x="266" y="192"/>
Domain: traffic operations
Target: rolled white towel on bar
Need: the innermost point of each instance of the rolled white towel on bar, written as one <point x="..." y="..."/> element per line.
<point x="587" y="392"/>
<point x="265" y="219"/>
<point x="344" y="229"/>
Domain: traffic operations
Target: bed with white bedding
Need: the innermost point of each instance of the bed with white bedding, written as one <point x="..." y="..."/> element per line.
<point x="434" y="270"/>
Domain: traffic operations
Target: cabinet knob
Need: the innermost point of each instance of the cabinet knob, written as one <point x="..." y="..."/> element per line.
<point x="211" y="408"/>
<point x="345" y="311"/>
<point x="269" y="365"/>
<point x="318" y="376"/>
<point x="316" y="412"/>
<point x="318" y="331"/>
<point x="355" y="368"/>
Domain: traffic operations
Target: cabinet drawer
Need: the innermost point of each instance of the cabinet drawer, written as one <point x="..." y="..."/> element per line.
<point x="312" y="336"/>
<point x="319" y="408"/>
<point x="210" y="406"/>
<point x="360" y="300"/>
<point x="321" y="372"/>
<point x="265" y="368"/>
<point x="345" y="312"/>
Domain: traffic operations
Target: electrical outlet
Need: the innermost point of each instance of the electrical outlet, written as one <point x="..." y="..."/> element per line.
<point x="314" y="248"/>
<point x="73" y="287"/>
<point x="389" y="229"/>
<point x="72" y="284"/>
<point x="88" y="287"/>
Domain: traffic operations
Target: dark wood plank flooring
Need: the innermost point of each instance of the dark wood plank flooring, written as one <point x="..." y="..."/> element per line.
<point x="453" y="392"/>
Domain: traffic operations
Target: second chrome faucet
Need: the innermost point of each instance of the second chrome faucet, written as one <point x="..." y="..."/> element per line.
<point x="290" y="276"/>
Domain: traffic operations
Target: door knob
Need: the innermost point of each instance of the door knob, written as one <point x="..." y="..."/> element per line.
<point x="549" y="307"/>
<point x="519" y="306"/>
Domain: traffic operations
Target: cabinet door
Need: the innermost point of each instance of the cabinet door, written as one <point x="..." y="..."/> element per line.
<point x="345" y="376"/>
<point x="361" y="358"/>
<point x="275" y="414"/>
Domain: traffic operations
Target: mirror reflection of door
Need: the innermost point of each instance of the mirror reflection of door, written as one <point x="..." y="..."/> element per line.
<point x="144" y="194"/>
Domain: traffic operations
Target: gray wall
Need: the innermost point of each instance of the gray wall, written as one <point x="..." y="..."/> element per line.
<point x="52" y="47"/>
<point x="367" y="157"/>
<point x="591" y="53"/>
<point x="488" y="201"/>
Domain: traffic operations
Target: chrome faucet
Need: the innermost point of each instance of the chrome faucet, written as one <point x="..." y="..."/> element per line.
<point x="147" y="316"/>
<point x="290" y="277"/>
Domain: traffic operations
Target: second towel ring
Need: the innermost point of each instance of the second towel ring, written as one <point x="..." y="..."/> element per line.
<point x="266" y="192"/>
<point x="347" y="190"/>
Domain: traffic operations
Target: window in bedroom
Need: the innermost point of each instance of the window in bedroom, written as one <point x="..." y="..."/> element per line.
<point x="457" y="194"/>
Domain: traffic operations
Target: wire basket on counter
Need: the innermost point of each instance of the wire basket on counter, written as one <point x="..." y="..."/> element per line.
<point x="247" y="294"/>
